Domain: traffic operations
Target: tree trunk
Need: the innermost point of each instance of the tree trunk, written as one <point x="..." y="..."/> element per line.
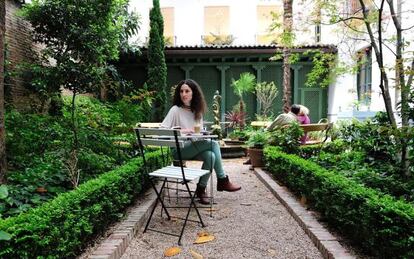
<point x="287" y="31"/>
<point x="3" y="163"/>
<point x="405" y="90"/>
<point x="384" y="86"/>
<point x="287" y="92"/>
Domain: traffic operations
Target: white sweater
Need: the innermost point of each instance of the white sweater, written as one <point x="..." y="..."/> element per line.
<point x="180" y="117"/>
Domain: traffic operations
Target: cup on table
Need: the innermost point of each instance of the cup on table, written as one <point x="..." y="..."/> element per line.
<point x="197" y="128"/>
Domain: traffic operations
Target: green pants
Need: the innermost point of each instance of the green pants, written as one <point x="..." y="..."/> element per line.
<point x="207" y="151"/>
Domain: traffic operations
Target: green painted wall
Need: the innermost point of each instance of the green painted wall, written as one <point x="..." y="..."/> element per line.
<point x="216" y="73"/>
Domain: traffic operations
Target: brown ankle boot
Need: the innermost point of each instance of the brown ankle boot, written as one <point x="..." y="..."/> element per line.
<point x="224" y="184"/>
<point x="202" y="195"/>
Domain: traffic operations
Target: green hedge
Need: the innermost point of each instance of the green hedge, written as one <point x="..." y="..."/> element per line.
<point x="64" y="226"/>
<point x="379" y="223"/>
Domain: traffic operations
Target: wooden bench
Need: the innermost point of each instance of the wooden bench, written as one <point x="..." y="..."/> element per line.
<point x="317" y="127"/>
<point x="260" y="124"/>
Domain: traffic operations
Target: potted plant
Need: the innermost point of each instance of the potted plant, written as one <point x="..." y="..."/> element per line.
<point x="255" y="144"/>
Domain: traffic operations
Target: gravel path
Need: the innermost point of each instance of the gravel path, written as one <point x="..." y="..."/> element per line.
<point x="250" y="223"/>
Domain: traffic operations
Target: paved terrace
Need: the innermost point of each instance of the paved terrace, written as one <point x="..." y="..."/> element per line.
<point x="263" y="220"/>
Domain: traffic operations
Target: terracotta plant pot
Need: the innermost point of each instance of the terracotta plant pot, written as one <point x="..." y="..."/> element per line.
<point x="256" y="157"/>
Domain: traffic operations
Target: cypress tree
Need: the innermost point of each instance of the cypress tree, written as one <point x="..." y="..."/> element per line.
<point x="157" y="68"/>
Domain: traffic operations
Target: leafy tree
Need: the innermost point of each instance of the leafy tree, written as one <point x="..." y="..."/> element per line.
<point x="157" y="68"/>
<point x="368" y="23"/>
<point x="81" y="37"/>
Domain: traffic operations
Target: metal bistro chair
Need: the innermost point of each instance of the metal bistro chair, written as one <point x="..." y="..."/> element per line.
<point x="170" y="138"/>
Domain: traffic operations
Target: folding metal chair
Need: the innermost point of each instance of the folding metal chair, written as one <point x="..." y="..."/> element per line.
<point x="169" y="138"/>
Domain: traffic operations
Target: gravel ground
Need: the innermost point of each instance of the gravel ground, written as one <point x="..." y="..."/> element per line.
<point x="250" y="223"/>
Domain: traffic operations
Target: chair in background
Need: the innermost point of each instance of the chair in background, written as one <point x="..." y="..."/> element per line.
<point x="169" y="138"/>
<point x="322" y="128"/>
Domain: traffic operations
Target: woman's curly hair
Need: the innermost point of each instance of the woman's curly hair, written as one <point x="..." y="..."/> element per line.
<point x="198" y="103"/>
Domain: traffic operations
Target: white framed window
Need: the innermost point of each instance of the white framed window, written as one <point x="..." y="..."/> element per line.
<point x="364" y="75"/>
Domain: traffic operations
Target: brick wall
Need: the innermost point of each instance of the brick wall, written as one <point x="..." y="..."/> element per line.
<point x="19" y="48"/>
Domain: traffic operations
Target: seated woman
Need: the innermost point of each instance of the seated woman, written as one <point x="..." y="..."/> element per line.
<point x="188" y="108"/>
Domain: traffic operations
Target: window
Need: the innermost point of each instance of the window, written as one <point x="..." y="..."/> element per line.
<point x="364" y="74"/>
<point x="217" y="25"/>
<point x="318" y="33"/>
<point x="168" y="16"/>
<point x="266" y="15"/>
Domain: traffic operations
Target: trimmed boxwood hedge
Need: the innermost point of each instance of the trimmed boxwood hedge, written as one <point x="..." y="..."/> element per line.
<point x="62" y="227"/>
<point x="379" y="223"/>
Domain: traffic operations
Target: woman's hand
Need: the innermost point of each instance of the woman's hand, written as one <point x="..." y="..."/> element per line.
<point x="187" y="131"/>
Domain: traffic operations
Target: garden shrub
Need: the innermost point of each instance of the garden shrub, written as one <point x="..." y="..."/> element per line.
<point x="38" y="147"/>
<point x="64" y="226"/>
<point x="307" y="151"/>
<point x="378" y="223"/>
<point x="354" y="165"/>
<point x="288" y="138"/>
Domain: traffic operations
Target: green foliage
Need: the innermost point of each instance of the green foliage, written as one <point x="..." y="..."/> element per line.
<point x="3" y="192"/>
<point x="157" y="68"/>
<point x="64" y="226"/>
<point x="131" y="25"/>
<point x="266" y="94"/>
<point x="369" y="153"/>
<point x="82" y="46"/>
<point x="4" y="235"/>
<point x="81" y="49"/>
<point x="137" y="106"/>
<point x="257" y="139"/>
<point x="245" y="84"/>
<point x="42" y="81"/>
<point x="381" y="142"/>
<point x="323" y="71"/>
<point x="287" y="138"/>
<point x="238" y="134"/>
<point x="39" y="147"/>
<point x="379" y="223"/>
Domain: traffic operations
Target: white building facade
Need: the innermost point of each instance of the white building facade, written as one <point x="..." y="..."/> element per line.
<point x="246" y="22"/>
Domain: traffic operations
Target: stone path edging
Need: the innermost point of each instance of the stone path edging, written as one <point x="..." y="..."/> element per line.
<point x="115" y="245"/>
<point x="327" y="244"/>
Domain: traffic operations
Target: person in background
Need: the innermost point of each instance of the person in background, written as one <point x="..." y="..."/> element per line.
<point x="187" y="111"/>
<point x="285" y="118"/>
<point x="303" y="118"/>
<point x="282" y="120"/>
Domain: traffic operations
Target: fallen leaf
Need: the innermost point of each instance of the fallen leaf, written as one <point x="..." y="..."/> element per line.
<point x="246" y="204"/>
<point x="202" y="233"/>
<point x="195" y="255"/>
<point x="303" y="200"/>
<point x="211" y="209"/>
<point x="271" y="252"/>
<point x="41" y="189"/>
<point x="171" y="251"/>
<point x="174" y="219"/>
<point x="204" y="239"/>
